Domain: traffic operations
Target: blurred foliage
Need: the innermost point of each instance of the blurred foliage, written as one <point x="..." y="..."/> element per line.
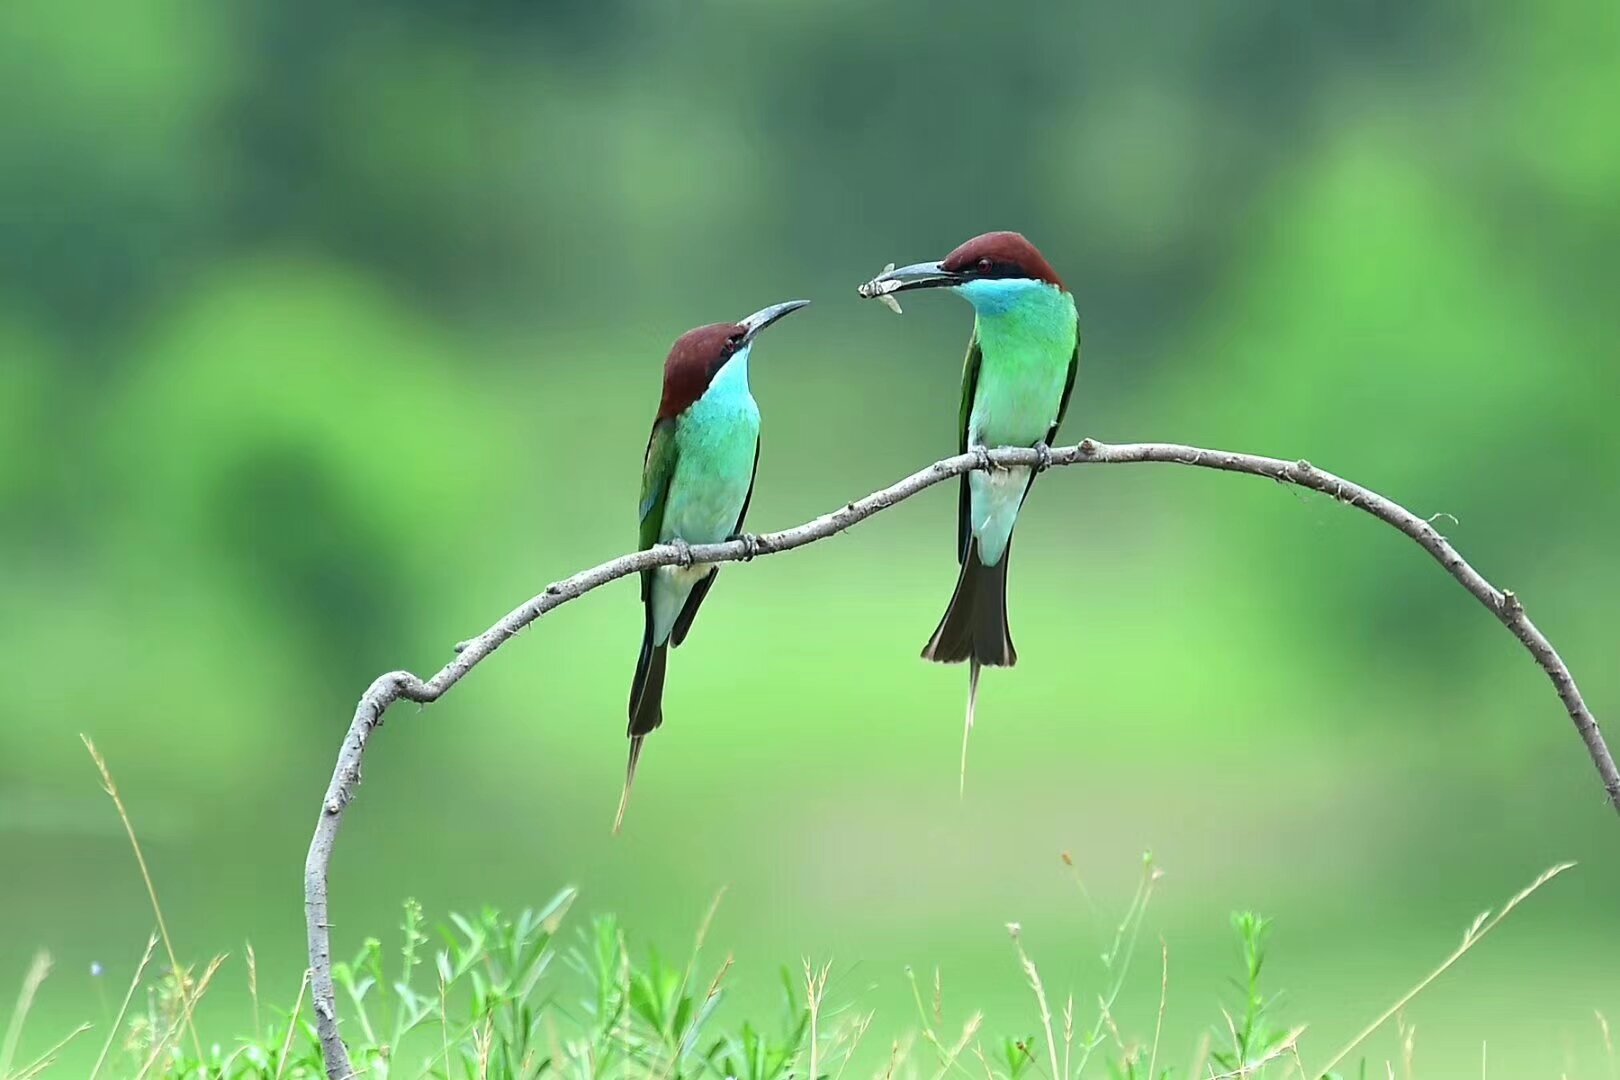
<point x="330" y="332"/>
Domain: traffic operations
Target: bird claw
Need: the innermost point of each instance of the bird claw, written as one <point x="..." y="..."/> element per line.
<point x="683" y="551"/>
<point x="982" y="453"/>
<point x="1043" y="457"/>
<point x="750" y="543"/>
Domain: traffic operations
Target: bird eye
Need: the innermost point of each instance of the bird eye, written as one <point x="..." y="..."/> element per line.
<point x="985" y="266"/>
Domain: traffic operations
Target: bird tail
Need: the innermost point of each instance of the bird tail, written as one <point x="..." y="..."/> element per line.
<point x="975" y="629"/>
<point x="975" y="624"/>
<point x="967" y="728"/>
<point x="646" y="707"/>
<point x="629" y="779"/>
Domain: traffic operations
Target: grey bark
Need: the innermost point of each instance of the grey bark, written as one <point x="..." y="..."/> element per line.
<point x="404" y="686"/>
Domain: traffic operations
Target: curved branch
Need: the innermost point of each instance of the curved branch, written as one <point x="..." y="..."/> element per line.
<point x="402" y="685"/>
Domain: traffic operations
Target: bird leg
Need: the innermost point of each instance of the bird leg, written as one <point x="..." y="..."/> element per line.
<point x="983" y="454"/>
<point x="683" y="551"/>
<point x="750" y="543"/>
<point x="1043" y="457"/>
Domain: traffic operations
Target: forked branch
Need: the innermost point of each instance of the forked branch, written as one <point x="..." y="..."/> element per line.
<point x="402" y="685"/>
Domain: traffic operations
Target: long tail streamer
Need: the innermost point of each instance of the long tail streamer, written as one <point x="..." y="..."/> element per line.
<point x="967" y="729"/>
<point x="629" y="779"/>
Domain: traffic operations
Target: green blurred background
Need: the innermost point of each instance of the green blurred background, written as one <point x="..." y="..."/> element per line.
<point x="328" y="333"/>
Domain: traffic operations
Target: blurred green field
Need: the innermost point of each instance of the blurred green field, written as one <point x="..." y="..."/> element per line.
<point x="330" y="333"/>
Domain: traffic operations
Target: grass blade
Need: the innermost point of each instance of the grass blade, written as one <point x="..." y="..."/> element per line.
<point x="1164" y="997"/>
<point x="37" y="970"/>
<point x="292" y="1026"/>
<point x="129" y="995"/>
<point x="1034" y="978"/>
<point x="151" y="891"/>
<point x="184" y="1019"/>
<point x="1475" y="933"/>
<point x="44" y="1061"/>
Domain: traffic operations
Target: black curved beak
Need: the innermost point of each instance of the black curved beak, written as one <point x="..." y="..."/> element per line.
<point x="923" y="275"/>
<point x="764" y="317"/>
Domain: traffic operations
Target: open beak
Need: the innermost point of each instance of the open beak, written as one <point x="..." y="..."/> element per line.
<point x="923" y="275"/>
<point x="764" y="317"/>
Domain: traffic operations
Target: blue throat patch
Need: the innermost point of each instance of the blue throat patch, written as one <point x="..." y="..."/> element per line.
<point x="997" y="296"/>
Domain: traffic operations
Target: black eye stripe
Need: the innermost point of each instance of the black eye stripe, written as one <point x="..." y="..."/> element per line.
<point x="989" y="267"/>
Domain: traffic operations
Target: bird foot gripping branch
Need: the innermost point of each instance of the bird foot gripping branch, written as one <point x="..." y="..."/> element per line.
<point x="750" y="543"/>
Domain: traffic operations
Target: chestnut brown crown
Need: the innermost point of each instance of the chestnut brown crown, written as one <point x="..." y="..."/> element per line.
<point x="694" y="360"/>
<point x="698" y="355"/>
<point x="1001" y="255"/>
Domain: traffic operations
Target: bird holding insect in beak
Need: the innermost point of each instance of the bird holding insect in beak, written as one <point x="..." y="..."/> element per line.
<point x="696" y="482"/>
<point x="1016" y="382"/>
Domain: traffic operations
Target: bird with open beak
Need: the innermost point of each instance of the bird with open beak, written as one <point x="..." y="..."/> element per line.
<point x="1019" y="373"/>
<point x="696" y="482"/>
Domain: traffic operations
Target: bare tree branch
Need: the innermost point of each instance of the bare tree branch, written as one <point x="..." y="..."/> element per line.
<point x="402" y="685"/>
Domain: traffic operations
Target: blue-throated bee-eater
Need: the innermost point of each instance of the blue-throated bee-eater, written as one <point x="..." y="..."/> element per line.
<point x="696" y="483"/>
<point x="1016" y="382"/>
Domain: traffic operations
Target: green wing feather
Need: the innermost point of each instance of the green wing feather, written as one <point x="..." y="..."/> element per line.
<point x="970" y="387"/>
<point x="656" y="470"/>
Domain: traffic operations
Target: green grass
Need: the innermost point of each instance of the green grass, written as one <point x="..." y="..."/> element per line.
<point x="497" y="996"/>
